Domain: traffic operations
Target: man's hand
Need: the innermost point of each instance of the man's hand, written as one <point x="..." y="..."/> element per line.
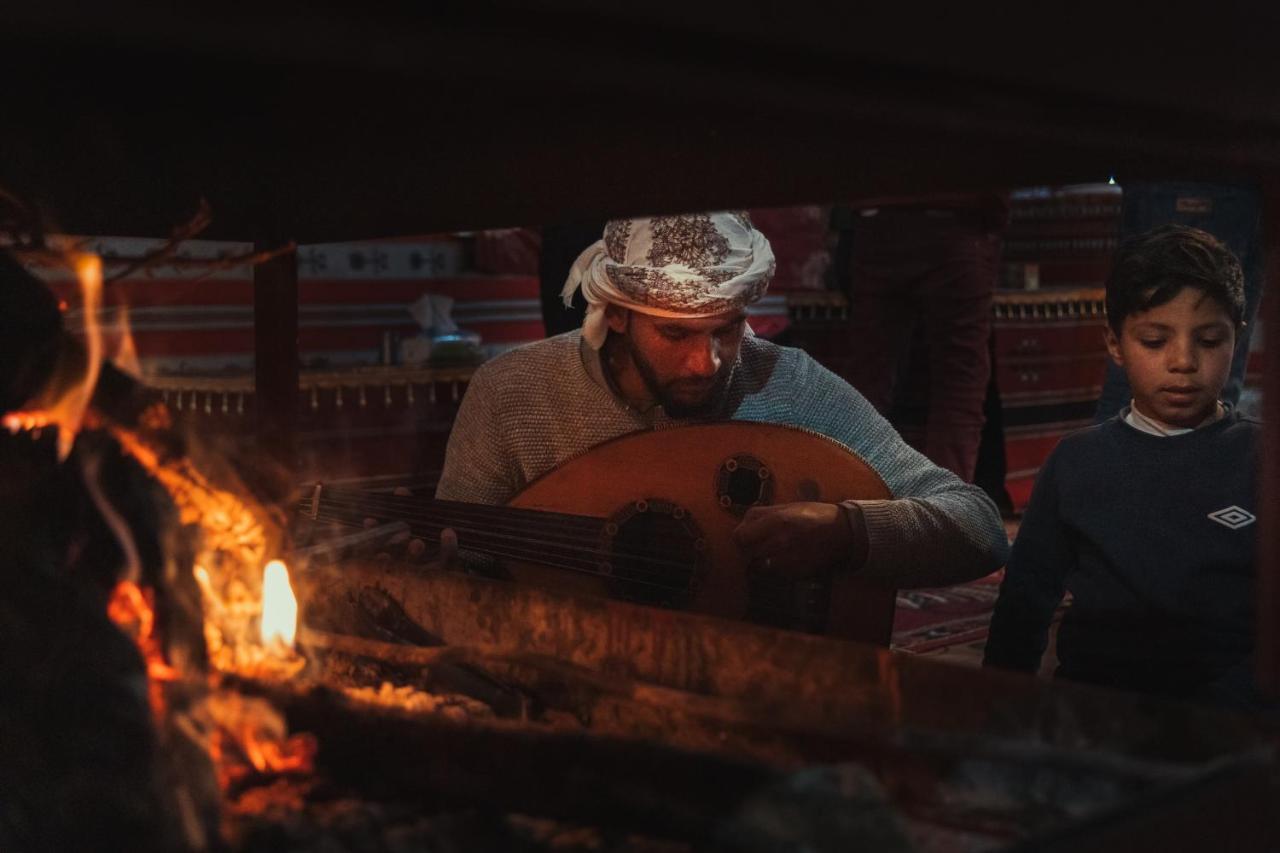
<point x="404" y="546"/>
<point x="802" y="539"/>
<point x="448" y="556"/>
<point x="417" y="550"/>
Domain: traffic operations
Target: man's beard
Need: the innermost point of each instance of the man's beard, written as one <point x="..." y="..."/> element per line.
<point x="708" y="404"/>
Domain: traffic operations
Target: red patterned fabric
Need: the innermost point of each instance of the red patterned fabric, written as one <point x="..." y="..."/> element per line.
<point x="801" y="244"/>
<point x="508" y="251"/>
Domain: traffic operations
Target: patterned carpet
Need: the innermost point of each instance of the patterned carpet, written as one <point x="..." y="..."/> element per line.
<point x="950" y="622"/>
<point x="930" y="620"/>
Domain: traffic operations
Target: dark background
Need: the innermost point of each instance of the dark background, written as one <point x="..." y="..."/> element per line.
<point x="325" y="121"/>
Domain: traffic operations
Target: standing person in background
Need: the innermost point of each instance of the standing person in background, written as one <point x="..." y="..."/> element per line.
<point x="931" y="261"/>
<point x="1233" y="214"/>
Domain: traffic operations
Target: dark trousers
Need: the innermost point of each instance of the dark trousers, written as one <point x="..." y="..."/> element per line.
<point x="936" y="268"/>
<point x="1233" y="214"/>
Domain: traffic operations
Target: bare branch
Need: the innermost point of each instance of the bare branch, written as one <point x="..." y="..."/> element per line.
<point x="199" y="221"/>
<point x="250" y="260"/>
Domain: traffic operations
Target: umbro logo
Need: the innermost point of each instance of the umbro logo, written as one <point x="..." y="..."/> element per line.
<point x="1233" y="517"/>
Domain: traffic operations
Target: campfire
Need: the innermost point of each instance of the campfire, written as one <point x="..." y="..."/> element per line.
<point x="188" y="588"/>
<point x="197" y="586"/>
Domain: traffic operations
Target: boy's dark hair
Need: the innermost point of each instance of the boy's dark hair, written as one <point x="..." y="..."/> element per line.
<point x="1152" y="268"/>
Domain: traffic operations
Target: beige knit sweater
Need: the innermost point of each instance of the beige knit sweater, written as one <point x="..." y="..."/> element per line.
<point x="535" y="407"/>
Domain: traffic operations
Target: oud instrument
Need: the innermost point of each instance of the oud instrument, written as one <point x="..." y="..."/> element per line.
<point x="649" y="517"/>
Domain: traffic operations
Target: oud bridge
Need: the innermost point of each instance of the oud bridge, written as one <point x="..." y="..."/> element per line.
<point x="652" y="552"/>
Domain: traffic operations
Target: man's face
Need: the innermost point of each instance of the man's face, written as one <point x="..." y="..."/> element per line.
<point x="686" y="364"/>
<point x="1177" y="357"/>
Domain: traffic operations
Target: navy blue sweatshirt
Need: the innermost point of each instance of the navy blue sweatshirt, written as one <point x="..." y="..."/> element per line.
<point x="1154" y="538"/>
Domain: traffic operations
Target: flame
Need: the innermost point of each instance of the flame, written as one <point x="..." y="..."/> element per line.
<point x="279" y="605"/>
<point x="245" y="735"/>
<point x="133" y="610"/>
<point x="64" y="400"/>
<point x="242" y="735"/>
<point x="232" y="549"/>
<point x="126" y="351"/>
<point x="248" y="735"/>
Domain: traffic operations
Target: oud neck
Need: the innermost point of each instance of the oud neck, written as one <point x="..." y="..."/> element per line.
<point x="498" y="531"/>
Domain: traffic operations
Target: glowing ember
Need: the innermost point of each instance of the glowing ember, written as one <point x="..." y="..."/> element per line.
<point x="132" y="608"/>
<point x="279" y="606"/>
<point x="246" y="735"/>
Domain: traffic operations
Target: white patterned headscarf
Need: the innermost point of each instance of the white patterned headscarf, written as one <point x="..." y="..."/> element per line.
<point x="693" y="265"/>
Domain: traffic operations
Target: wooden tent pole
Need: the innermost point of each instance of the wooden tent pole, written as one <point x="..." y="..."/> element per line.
<point x="1268" y="648"/>
<point x="275" y="348"/>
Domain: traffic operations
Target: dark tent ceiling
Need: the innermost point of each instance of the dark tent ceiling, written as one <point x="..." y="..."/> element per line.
<point x="325" y="121"/>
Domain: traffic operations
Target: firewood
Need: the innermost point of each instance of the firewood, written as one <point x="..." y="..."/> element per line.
<point x="615" y="783"/>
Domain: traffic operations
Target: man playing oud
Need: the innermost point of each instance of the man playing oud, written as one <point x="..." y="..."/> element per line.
<point x="666" y="343"/>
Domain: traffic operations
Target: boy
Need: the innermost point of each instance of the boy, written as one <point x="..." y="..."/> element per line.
<point x="1148" y="518"/>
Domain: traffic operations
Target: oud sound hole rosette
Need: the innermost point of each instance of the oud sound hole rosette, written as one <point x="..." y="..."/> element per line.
<point x="656" y="554"/>
<point x="743" y="482"/>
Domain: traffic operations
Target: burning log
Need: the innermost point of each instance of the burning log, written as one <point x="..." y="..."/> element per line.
<point x="80" y="763"/>
<point x="776" y="672"/>
<point x="1022" y="765"/>
<point x="84" y="761"/>
<point x="734" y="727"/>
<point x="96" y="548"/>
<point x="932" y="789"/>
<point x="619" y="784"/>
<point x="398" y="639"/>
